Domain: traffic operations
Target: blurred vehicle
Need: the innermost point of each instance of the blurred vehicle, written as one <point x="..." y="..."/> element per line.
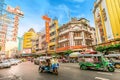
<point x="95" y="61"/>
<point x="114" y="58"/>
<point x="65" y="61"/>
<point x="23" y="60"/>
<point x="47" y="66"/>
<point x="13" y="61"/>
<point x="5" y="64"/>
<point x="37" y="60"/>
<point x="115" y="62"/>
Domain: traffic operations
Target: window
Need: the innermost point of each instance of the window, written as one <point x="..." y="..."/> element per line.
<point x="77" y="34"/>
<point x="78" y="42"/>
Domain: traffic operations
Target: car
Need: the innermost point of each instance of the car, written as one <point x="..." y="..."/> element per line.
<point x="13" y="61"/>
<point x="5" y="64"/>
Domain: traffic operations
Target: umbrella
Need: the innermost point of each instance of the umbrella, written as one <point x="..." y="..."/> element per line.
<point x="74" y="54"/>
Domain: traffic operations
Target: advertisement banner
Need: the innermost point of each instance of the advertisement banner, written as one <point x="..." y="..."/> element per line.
<point x="27" y="51"/>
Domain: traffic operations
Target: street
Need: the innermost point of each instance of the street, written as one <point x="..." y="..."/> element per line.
<point x="67" y="71"/>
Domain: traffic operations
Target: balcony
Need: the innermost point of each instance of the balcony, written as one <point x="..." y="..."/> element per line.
<point x="78" y="47"/>
<point x="52" y="30"/>
<point x="88" y="38"/>
<point x="63" y="40"/>
<point x="52" y="43"/>
<point x="78" y="37"/>
<point x="63" y="32"/>
<point x="51" y="37"/>
<point x="63" y="49"/>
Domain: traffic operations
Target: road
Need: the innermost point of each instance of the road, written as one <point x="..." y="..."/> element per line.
<point x="67" y="71"/>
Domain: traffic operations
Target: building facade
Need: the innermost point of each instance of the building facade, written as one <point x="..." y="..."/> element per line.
<point x="42" y="44"/>
<point x="107" y="20"/>
<point x="53" y="35"/>
<point x="75" y="35"/>
<point x="27" y="40"/>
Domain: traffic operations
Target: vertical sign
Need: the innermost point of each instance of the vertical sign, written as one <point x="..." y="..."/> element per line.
<point x="47" y="32"/>
<point x="47" y="21"/>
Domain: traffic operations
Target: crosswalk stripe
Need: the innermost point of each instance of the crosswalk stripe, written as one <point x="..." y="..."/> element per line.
<point x="100" y="78"/>
<point x="105" y="73"/>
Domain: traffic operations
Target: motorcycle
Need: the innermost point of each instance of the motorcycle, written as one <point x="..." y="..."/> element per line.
<point x="53" y="68"/>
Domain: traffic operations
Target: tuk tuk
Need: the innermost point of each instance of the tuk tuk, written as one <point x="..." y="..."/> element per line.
<point x="95" y="61"/>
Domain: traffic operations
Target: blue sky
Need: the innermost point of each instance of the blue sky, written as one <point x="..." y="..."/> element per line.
<point x="34" y="9"/>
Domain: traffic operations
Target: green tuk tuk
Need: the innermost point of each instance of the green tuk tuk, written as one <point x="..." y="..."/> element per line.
<point x="95" y="61"/>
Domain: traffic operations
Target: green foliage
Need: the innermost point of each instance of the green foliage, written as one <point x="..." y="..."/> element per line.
<point x="68" y="52"/>
<point x="108" y="48"/>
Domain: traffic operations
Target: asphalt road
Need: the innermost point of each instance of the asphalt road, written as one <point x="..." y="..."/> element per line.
<point x="67" y="71"/>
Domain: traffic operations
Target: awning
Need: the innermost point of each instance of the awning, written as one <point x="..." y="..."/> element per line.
<point x="89" y="52"/>
<point x="74" y="54"/>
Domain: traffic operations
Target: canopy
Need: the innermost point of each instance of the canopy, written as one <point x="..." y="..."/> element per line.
<point x="89" y="52"/>
<point x="74" y="54"/>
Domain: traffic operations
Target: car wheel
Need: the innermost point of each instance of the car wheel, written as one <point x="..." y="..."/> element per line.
<point x="111" y="69"/>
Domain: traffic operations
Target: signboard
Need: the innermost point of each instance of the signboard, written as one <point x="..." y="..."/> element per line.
<point x="47" y="21"/>
<point x="27" y="51"/>
<point x="47" y="32"/>
<point x="14" y="10"/>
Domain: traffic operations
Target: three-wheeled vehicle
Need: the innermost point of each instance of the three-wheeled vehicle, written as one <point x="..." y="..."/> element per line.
<point x="95" y="61"/>
<point x="52" y="67"/>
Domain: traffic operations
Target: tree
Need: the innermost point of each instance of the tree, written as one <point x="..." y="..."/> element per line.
<point x="68" y="52"/>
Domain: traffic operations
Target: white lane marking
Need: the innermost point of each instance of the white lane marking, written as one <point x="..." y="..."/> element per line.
<point x="100" y="78"/>
<point x="117" y="70"/>
<point x="105" y="73"/>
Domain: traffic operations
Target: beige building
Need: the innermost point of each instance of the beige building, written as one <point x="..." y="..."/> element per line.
<point x="42" y="44"/>
<point x="77" y="35"/>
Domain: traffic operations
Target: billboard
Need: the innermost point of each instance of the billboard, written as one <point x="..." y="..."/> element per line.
<point x="28" y="51"/>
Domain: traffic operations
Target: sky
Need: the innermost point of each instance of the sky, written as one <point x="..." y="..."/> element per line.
<point x="61" y="9"/>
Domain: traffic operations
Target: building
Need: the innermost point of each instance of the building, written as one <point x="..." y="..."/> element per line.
<point x="53" y="35"/>
<point x="27" y="40"/>
<point x="42" y="44"/>
<point x="107" y="20"/>
<point x="38" y="42"/>
<point x="76" y="35"/>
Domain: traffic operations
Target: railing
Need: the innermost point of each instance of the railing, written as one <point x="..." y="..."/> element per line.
<point x="78" y="47"/>
<point x="70" y="47"/>
<point x="63" y="48"/>
<point x="63" y="40"/>
<point x="63" y="32"/>
<point x="78" y="37"/>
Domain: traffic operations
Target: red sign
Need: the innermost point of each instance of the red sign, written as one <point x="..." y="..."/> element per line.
<point x="47" y="31"/>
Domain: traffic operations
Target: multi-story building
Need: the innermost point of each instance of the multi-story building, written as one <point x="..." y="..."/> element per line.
<point x="107" y="20"/>
<point x="27" y="40"/>
<point x="75" y="35"/>
<point x="38" y="42"/>
<point x="53" y="35"/>
<point x="42" y="44"/>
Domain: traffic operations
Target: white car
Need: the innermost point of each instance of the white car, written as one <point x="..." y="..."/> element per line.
<point x="5" y="64"/>
<point x="13" y="62"/>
